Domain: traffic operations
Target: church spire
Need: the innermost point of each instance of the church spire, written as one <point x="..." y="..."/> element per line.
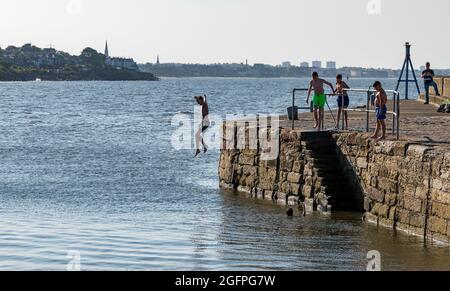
<point x="106" y="50"/>
<point x="157" y="60"/>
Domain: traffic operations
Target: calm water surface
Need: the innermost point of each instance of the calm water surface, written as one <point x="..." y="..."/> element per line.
<point x="89" y="167"/>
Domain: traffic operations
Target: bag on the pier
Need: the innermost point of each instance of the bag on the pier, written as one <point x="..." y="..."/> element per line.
<point x="442" y="108"/>
<point x="448" y="108"/>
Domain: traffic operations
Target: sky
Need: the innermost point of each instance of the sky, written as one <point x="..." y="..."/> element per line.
<point x="367" y="33"/>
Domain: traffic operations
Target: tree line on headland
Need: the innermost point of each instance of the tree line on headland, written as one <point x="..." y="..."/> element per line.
<point x="29" y="63"/>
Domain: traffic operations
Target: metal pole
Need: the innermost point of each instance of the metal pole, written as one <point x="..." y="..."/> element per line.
<point x="414" y="75"/>
<point x="398" y="116"/>
<point x="331" y="111"/>
<point x="292" y="112"/>
<point x="408" y="57"/>
<point x="401" y="75"/>
<point x="368" y="113"/>
<point x="394" y="102"/>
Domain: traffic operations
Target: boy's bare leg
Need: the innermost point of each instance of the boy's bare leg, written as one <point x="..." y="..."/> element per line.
<point x="198" y="139"/>
<point x="377" y="131"/>
<point x="205" y="147"/>
<point x="383" y="126"/>
<point x="322" y="117"/>
<point x="316" y="117"/>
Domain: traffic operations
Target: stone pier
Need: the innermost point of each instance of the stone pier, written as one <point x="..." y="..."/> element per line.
<point x="403" y="185"/>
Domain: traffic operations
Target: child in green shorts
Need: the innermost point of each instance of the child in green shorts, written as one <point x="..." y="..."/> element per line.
<point x="319" y="100"/>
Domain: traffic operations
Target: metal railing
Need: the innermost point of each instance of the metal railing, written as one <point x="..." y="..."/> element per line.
<point x="293" y="104"/>
<point x="395" y="112"/>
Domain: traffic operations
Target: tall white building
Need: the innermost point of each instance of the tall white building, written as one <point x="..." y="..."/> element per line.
<point x="286" y="65"/>
<point x="317" y="64"/>
<point x="331" y="65"/>
<point x="304" y="65"/>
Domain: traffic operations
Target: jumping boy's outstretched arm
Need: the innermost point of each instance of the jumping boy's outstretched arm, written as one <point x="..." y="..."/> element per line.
<point x="329" y="84"/>
<point x="309" y="92"/>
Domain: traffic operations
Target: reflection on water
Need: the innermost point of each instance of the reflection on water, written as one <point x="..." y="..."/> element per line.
<point x="88" y="167"/>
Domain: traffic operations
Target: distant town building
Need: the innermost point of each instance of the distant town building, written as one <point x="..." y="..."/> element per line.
<point x="331" y="65"/>
<point x="106" y="50"/>
<point x="304" y="65"/>
<point x="317" y="64"/>
<point x="286" y="65"/>
<point x="120" y="63"/>
<point x="355" y="73"/>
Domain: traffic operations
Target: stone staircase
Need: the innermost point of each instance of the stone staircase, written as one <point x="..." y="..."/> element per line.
<point x="332" y="189"/>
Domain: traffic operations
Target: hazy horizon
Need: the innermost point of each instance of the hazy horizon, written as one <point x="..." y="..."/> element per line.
<point x="219" y="31"/>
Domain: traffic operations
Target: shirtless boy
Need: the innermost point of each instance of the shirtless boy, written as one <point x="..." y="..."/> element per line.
<point x="203" y="126"/>
<point x="381" y="111"/>
<point x="343" y="100"/>
<point x="319" y="100"/>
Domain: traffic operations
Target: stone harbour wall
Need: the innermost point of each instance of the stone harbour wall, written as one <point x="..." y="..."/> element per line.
<point x="398" y="184"/>
<point x="406" y="185"/>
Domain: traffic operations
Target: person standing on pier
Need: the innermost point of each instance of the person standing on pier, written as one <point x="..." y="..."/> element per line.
<point x="381" y="111"/>
<point x="319" y="100"/>
<point x="203" y="126"/>
<point x="428" y="76"/>
<point x="343" y="100"/>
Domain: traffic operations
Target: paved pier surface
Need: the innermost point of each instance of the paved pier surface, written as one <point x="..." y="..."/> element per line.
<point x="418" y="122"/>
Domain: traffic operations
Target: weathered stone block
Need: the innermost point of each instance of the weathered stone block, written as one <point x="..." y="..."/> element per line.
<point x="440" y="210"/>
<point x="412" y="204"/>
<point x="298" y="167"/>
<point x="438" y="225"/>
<point x="417" y="220"/>
<point x="421" y="192"/>
<point x="307" y="191"/>
<point x="417" y="152"/>
<point x="269" y="164"/>
<point x="393" y="213"/>
<point x="403" y="215"/>
<point x="440" y="196"/>
<point x="390" y="199"/>
<point x="294" y="178"/>
<point x="367" y="204"/>
<point x="247" y="160"/>
<point x="281" y="198"/>
<point x="226" y="175"/>
<point x="385" y="222"/>
<point x="376" y="208"/>
<point x="362" y="163"/>
<point x="387" y="185"/>
<point x="375" y="194"/>
<point x="268" y="195"/>
<point x="244" y="189"/>
<point x="383" y="211"/>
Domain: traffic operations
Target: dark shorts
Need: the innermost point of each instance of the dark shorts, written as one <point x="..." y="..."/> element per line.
<point x="205" y="128"/>
<point x="343" y="101"/>
<point x="381" y="113"/>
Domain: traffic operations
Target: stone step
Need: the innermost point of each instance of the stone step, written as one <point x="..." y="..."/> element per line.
<point x="341" y="194"/>
<point x="331" y="179"/>
<point x="325" y="159"/>
<point x="309" y="135"/>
